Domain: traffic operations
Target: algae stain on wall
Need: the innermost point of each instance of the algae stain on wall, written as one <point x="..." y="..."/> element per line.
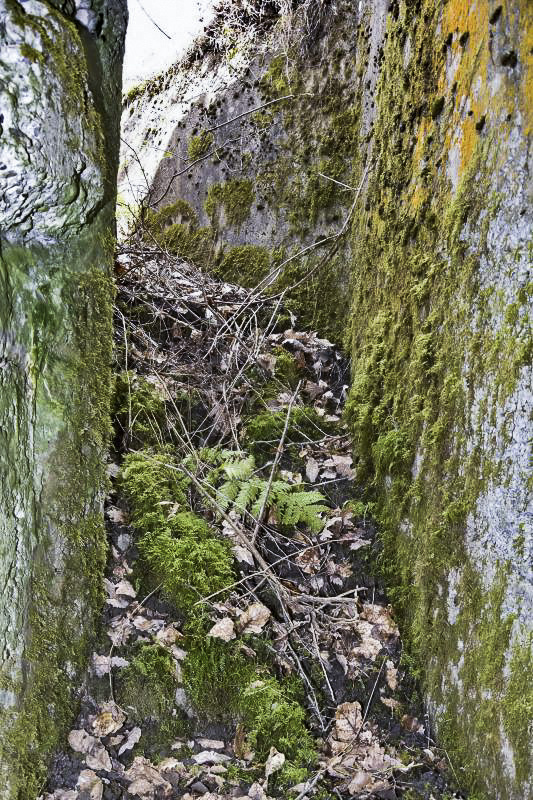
<point x="58" y="152"/>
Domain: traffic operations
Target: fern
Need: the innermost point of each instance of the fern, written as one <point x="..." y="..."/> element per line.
<point x="243" y="491"/>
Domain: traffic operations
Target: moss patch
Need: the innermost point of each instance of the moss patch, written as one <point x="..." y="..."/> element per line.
<point x="199" y="145"/>
<point x="235" y="197"/>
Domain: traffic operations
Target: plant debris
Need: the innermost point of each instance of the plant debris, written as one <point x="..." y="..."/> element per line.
<point x="257" y="466"/>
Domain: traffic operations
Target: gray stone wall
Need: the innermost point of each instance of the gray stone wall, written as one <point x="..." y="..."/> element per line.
<point x="60" y="83"/>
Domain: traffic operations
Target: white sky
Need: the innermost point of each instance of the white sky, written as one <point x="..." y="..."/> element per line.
<point x="149" y="51"/>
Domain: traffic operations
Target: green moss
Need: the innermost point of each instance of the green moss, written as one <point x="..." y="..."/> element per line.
<point x="175" y="229"/>
<point x="286" y="370"/>
<point x="245" y="265"/>
<point x="188" y="559"/>
<point x="139" y="410"/>
<point x="153" y="486"/>
<point x="436" y="107"/>
<point x="274" y="717"/>
<point x="274" y="82"/>
<point x="199" y="145"/>
<point x="235" y="197"/>
<point x="223" y="685"/>
<point x="146" y="691"/>
<point x="133" y="94"/>
<point x="63" y="615"/>
<point x="31" y="53"/>
<point x="147" y="686"/>
<point x="182" y="553"/>
<point x="264" y="430"/>
<point x="517" y="707"/>
<point x="215" y="674"/>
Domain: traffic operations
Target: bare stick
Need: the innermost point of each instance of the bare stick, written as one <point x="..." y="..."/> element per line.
<point x="250" y="111"/>
<point x="275" y="463"/>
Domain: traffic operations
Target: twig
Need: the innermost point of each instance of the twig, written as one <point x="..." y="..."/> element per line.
<point x="275" y="464"/>
<point x="250" y="111"/>
<point x="320" y="660"/>
<point x="153" y="21"/>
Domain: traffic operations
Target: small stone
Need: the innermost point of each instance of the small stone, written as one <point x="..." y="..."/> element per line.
<point x="199" y="788"/>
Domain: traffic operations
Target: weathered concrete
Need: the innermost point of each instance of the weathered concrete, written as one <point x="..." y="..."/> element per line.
<point x="60" y="81"/>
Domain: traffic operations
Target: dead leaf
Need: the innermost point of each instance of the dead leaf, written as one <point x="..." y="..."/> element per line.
<point x="146" y="779"/>
<point x="311" y="469"/>
<point x="256" y="792"/>
<point x="380" y="615"/>
<point x="96" y="756"/>
<point x="223" y="629"/>
<point x="133" y="737"/>
<point x="125" y="588"/>
<point x="115" y="515"/>
<point x="274" y="762"/>
<point x="391" y="676"/>
<point x="348" y="721"/>
<point x="309" y="560"/>
<point x="239" y="743"/>
<point x="412" y="724"/>
<point x="102" y="664"/>
<point x="211" y="744"/>
<point x="359" y="781"/>
<point x="254" y="619"/>
<point x="168" y="636"/>
<point x="390" y="703"/>
<point x="210" y="757"/>
<point x="90" y="785"/>
<point x="243" y="555"/>
<point x="110" y="720"/>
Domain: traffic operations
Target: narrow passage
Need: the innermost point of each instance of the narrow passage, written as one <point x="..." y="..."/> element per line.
<point x="247" y="646"/>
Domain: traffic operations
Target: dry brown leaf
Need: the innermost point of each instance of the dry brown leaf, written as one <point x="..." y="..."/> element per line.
<point x="412" y="724"/>
<point x="256" y="792"/>
<point x="311" y="469"/>
<point x="223" y="629"/>
<point x="308" y="560"/>
<point x="133" y="737"/>
<point x="243" y="555"/>
<point x="210" y="757"/>
<point x="391" y="675"/>
<point x="211" y="744"/>
<point x="390" y="703"/>
<point x="348" y="721"/>
<point x="254" y="619"/>
<point x="125" y="589"/>
<point x="274" y="762"/>
<point x="239" y="743"/>
<point x="380" y="615"/>
<point x="102" y="664"/>
<point x="115" y="515"/>
<point x="90" y="785"/>
<point x="96" y="756"/>
<point x="359" y="781"/>
<point x="146" y="779"/>
<point x="109" y="720"/>
<point x="168" y="636"/>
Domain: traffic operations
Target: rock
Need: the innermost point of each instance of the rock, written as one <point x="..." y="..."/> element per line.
<point x="60" y="81"/>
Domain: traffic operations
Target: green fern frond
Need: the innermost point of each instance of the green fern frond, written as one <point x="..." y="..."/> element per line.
<point x="245" y="491"/>
<point x="227" y="493"/>
<point x="248" y="494"/>
<point x="239" y="470"/>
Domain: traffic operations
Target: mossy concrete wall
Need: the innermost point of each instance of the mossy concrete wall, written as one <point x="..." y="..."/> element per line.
<point x="422" y="112"/>
<point x="60" y="80"/>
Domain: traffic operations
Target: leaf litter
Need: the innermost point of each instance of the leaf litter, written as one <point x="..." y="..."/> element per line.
<point x="329" y="622"/>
